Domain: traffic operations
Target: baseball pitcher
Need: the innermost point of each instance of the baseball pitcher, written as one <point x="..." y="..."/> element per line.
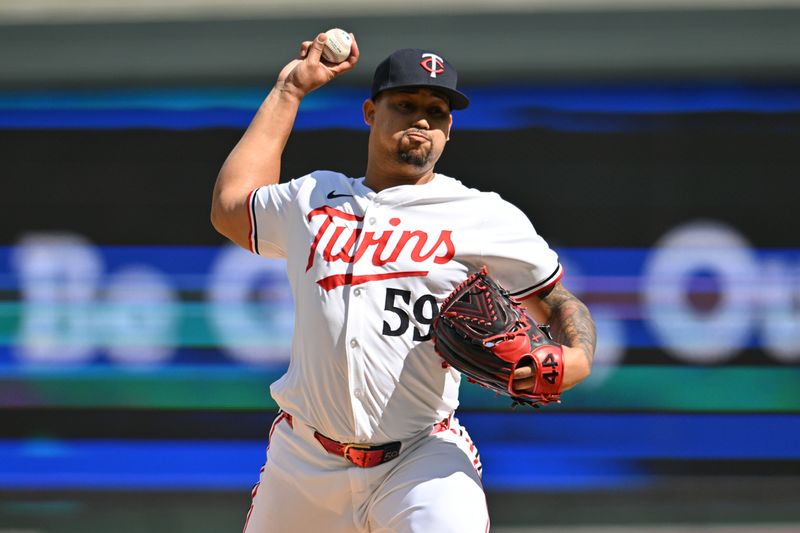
<point x="404" y="280"/>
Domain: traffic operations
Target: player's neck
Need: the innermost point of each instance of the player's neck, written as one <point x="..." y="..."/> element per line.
<point x="378" y="179"/>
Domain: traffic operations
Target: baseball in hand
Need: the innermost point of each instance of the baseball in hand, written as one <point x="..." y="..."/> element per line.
<point x="337" y="47"/>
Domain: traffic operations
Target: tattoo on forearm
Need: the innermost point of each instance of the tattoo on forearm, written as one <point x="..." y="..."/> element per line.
<point x="571" y="323"/>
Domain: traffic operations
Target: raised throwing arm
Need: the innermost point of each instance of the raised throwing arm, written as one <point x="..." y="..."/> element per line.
<point x="256" y="159"/>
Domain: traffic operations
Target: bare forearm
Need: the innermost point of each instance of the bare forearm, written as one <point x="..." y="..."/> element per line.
<point x="572" y="326"/>
<point x="256" y="159"/>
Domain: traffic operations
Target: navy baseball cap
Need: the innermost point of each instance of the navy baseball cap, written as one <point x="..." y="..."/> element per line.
<point x="416" y="68"/>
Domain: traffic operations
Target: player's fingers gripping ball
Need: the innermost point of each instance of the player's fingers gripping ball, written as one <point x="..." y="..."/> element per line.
<point x="484" y="334"/>
<point x="337" y="47"/>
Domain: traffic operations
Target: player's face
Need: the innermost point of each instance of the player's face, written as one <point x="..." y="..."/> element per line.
<point x="409" y="128"/>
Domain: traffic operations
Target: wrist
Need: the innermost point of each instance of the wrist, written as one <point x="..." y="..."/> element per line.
<point x="288" y="91"/>
<point x="577" y="363"/>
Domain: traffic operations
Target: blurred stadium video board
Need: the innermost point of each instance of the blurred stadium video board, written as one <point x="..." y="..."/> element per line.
<point x="117" y="292"/>
<point x="118" y="295"/>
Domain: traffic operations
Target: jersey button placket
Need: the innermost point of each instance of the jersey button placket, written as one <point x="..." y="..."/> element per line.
<point x="356" y="310"/>
<point x="371" y="210"/>
<point x="356" y="386"/>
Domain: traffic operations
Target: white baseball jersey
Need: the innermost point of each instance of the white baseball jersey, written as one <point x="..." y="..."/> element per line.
<point x="368" y="271"/>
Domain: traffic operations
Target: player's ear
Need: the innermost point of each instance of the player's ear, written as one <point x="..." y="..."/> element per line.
<point x="449" y="127"/>
<point x="369" y="111"/>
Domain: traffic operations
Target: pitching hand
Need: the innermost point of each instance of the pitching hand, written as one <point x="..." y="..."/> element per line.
<point x="310" y="71"/>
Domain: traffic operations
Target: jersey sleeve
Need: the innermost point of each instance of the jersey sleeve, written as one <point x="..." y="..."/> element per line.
<point x="270" y="209"/>
<point x="516" y="255"/>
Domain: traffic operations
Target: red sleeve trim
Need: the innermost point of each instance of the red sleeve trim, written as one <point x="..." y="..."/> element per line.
<point x="546" y="283"/>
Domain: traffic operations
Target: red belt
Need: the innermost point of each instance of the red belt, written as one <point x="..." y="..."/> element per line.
<point x="362" y="455"/>
<point x="365" y="455"/>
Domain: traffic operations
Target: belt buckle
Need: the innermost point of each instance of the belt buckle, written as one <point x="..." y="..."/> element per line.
<point x="348" y="447"/>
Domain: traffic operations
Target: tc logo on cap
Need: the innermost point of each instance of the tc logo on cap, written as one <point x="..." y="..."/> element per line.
<point x="432" y="63"/>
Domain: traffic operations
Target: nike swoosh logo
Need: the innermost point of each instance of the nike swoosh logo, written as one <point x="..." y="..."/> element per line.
<point x="332" y="195"/>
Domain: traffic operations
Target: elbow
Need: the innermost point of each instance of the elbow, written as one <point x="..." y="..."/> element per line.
<point x="222" y="224"/>
<point x="216" y="220"/>
<point x="231" y="221"/>
<point x="220" y="215"/>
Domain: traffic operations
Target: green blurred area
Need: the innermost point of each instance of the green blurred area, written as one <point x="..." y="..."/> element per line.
<point x="657" y="388"/>
<point x="188" y="324"/>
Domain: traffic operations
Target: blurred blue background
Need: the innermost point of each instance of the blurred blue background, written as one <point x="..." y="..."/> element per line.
<point x="136" y="346"/>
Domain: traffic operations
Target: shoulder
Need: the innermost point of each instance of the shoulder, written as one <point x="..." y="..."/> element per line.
<point x="500" y="212"/>
<point x="456" y="186"/>
<point x="457" y="189"/>
<point x="488" y="206"/>
<point x="327" y="176"/>
<point x="313" y="181"/>
<point x="322" y="178"/>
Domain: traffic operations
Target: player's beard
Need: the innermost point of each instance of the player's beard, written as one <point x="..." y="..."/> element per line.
<point x="414" y="153"/>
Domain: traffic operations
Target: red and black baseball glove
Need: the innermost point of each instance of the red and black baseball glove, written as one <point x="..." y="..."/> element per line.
<point x="484" y="334"/>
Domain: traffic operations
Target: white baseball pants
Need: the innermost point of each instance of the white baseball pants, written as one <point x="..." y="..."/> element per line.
<point x="434" y="486"/>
